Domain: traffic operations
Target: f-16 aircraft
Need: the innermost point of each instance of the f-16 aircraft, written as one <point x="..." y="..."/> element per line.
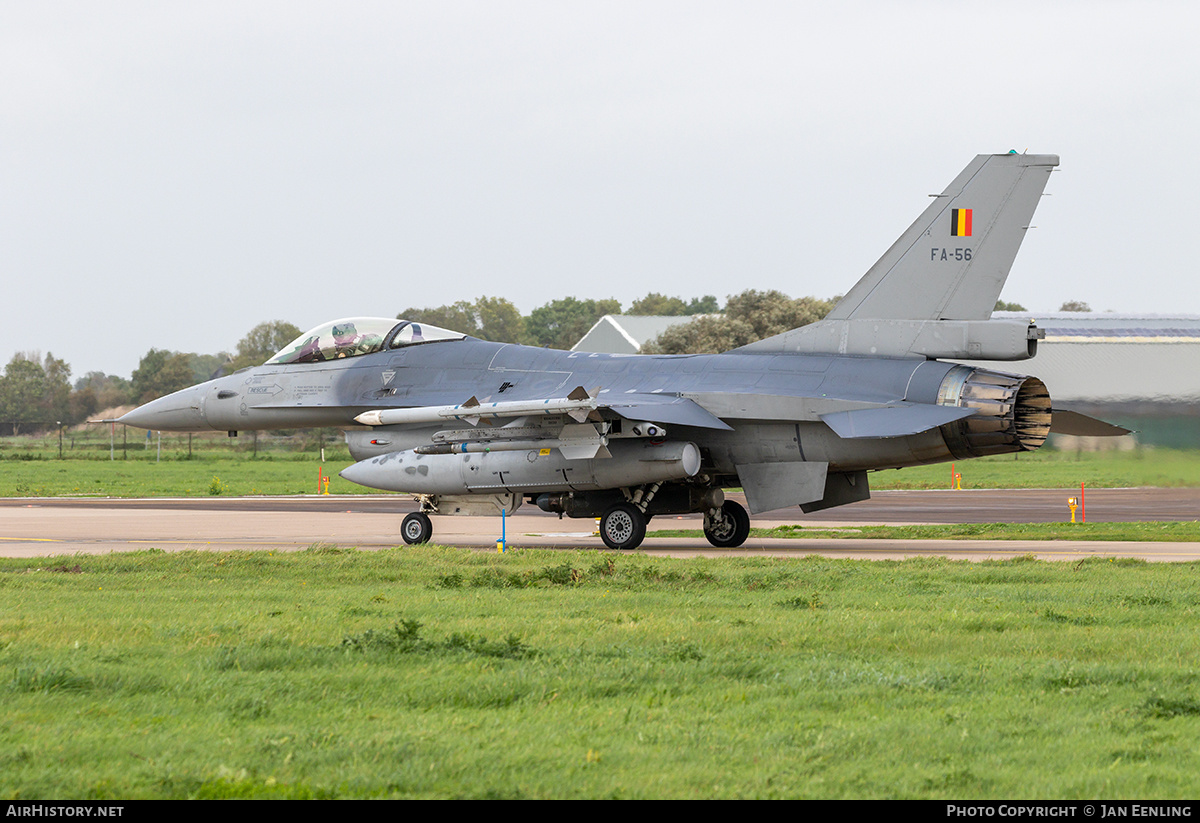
<point x="471" y="427"/>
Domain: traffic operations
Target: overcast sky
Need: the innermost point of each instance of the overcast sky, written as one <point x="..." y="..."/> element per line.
<point x="172" y="173"/>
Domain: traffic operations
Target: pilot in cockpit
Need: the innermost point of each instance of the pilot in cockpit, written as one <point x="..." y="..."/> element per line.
<point x="347" y="342"/>
<point x="345" y="339"/>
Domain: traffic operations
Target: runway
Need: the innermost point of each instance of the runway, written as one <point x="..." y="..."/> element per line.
<point x="66" y="526"/>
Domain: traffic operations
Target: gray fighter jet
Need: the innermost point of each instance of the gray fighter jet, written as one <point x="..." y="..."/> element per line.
<point x="471" y="427"/>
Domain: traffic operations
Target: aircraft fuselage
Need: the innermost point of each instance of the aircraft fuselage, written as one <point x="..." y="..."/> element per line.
<point x="772" y="403"/>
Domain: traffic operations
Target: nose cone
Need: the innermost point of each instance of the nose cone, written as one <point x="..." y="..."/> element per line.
<point x="361" y="473"/>
<point x="374" y="473"/>
<point x="181" y="412"/>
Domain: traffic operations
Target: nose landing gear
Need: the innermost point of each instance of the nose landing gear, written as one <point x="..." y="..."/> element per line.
<point x="416" y="528"/>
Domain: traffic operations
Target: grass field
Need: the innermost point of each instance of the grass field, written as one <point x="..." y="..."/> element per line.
<point x="1052" y="469"/>
<point x="438" y="673"/>
<point x="29" y="467"/>
<point x="234" y="476"/>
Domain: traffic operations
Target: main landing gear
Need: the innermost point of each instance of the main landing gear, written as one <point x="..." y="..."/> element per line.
<point x="727" y="527"/>
<point x="623" y="526"/>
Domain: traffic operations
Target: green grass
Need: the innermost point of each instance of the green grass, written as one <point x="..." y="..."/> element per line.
<point x="209" y="464"/>
<point x="1163" y="531"/>
<point x="437" y="672"/>
<point x="31" y="468"/>
<point x="229" y="476"/>
<point x="1053" y="469"/>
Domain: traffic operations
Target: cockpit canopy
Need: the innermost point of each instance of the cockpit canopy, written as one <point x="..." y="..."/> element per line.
<point x="356" y="336"/>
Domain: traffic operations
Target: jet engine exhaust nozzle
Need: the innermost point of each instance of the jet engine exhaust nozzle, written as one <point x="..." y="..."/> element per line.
<point x="1012" y="412"/>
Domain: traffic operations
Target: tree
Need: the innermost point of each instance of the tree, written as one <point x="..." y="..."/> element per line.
<point x="561" y="323"/>
<point x="749" y="316"/>
<point x="660" y="305"/>
<point x="773" y="312"/>
<point x="56" y="391"/>
<point x="207" y="366"/>
<point x="703" y="305"/>
<point x="704" y="335"/>
<point x="456" y="317"/>
<point x="83" y="404"/>
<point x="22" y="390"/>
<point x="1074" y="305"/>
<point x="499" y="320"/>
<point x="262" y="342"/>
<point x="1002" y="306"/>
<point x="108" y="391"/>
<point x="488" y="318"/>
<point x="161" y="372"/>
<point x="663" y="306"/>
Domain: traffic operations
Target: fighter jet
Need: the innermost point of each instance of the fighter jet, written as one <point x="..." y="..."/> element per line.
<point x="800" y="419"/>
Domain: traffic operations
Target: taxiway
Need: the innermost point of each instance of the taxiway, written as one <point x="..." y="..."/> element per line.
<point x="67" y="526"/>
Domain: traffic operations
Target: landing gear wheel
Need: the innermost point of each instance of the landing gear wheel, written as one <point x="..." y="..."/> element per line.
<point x="730" y="529"/>
<point x="416" y="528"/>
<point x="623" y="527"/>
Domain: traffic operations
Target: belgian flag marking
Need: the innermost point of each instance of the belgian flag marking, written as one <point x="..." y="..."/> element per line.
<point x="960" y="222"/>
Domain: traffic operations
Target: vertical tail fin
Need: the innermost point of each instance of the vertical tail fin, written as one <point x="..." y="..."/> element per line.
<point x="932" y="292"/>
<point x="952" y="262"/>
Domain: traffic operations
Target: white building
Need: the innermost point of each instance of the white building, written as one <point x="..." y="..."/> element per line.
<point x="625" y="333"/>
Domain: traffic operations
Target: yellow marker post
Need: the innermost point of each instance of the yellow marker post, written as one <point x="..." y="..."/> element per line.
<point x="1072" y="502"/>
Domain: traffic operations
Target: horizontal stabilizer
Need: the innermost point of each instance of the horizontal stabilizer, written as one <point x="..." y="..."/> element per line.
<point x="892" y="421"/>
<point x="1080" y="425"/>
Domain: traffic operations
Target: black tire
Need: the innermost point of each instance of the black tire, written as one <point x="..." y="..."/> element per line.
<point x="416" y="528"/>
<point x="623" y="527"/>
<point x="732" y="529"/>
